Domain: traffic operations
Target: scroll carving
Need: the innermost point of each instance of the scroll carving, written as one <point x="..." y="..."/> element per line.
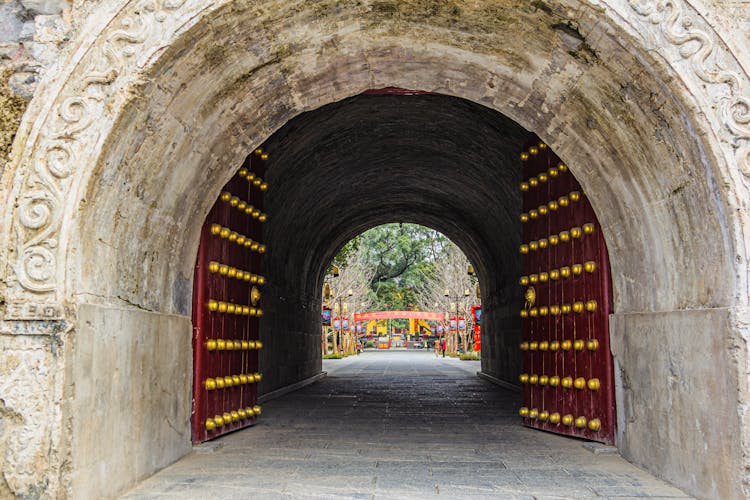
<point x="59" y="151"/>
<point x="701" y="51"/>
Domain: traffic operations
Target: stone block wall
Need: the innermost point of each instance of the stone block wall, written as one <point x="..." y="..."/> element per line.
<point x="32" y="35"/>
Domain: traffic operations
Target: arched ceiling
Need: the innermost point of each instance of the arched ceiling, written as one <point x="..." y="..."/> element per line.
<point x="153" y="108"/>
<point x="238" y="72"/>
<point x="440" y="161"/>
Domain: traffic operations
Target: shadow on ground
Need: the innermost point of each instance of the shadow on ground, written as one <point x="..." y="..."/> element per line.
<point x="399" y="425"/>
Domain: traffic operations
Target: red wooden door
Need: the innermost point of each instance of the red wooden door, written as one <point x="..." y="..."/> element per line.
<point x="226" y="306"/>
<point x="567" y="375"/>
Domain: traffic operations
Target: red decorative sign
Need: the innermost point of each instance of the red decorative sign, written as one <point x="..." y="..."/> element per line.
<point x="375" y="315"/>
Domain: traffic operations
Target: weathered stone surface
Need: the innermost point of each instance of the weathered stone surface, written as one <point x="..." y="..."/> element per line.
<point x="27" y="31"/>
<point x="32" y="379"/>
<point x="148" y="111"/>
<point x="20" y="85"/>
<point x="11" y="25"/>
<point x="32" y="34"/>
<point x="131" y="376"/>
<point x="50" y="29"/>
<point x="45" y="7"/>
<point x="668" y="390"/>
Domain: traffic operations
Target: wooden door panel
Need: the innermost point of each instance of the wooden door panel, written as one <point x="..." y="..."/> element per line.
<point x="567" y="364"/>
<point x="226" y="306"/>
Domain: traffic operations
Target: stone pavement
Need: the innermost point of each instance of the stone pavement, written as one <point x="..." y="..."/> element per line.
<point x="399" y="425"/>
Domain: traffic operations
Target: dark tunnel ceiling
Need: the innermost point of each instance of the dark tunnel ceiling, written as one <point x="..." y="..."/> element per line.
<point x="435" y="160"/>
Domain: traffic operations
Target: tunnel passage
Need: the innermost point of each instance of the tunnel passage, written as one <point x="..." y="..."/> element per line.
<point x="434" y="160"/>
<point x="155" y="137"/>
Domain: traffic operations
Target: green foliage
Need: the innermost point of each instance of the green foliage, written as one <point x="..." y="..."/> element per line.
<point x="469" y="356"/>
<point x="370" y="343"/>
<point x="401" y="255"/>
<point x="401" y="267"/>
<point x="346" y="251"/>
<point x="401" y="252"/>
<point x="332" y="356"/>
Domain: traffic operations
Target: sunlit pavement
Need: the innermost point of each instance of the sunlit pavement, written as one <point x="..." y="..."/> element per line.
<point x="399" y="424"/>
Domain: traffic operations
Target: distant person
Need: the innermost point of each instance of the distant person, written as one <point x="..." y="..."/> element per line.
<point x="443" y="346"/>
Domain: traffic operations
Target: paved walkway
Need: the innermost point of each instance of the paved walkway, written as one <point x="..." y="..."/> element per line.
<point x="399" y="425"/>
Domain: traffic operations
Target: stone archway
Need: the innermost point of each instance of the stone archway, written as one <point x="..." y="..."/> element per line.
<point x="647" y="104"/>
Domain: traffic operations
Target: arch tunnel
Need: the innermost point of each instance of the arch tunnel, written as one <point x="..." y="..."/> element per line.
<point x="434" y="160"/>
<point x="444" y="162"/>
<point x="173" y="124"/>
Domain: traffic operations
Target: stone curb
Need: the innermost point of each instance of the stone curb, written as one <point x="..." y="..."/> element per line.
<point x="291" y="388"/>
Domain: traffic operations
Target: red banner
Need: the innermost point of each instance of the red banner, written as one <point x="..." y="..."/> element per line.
<point x="375" y="315"/>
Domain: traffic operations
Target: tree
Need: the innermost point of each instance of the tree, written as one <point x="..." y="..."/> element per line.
<point x="342" y="257"/>
<point x="402" y="267"/>
<point x="450" y="273"/>
<point x="350" y="291"/>
<point x="400" y="254"/>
